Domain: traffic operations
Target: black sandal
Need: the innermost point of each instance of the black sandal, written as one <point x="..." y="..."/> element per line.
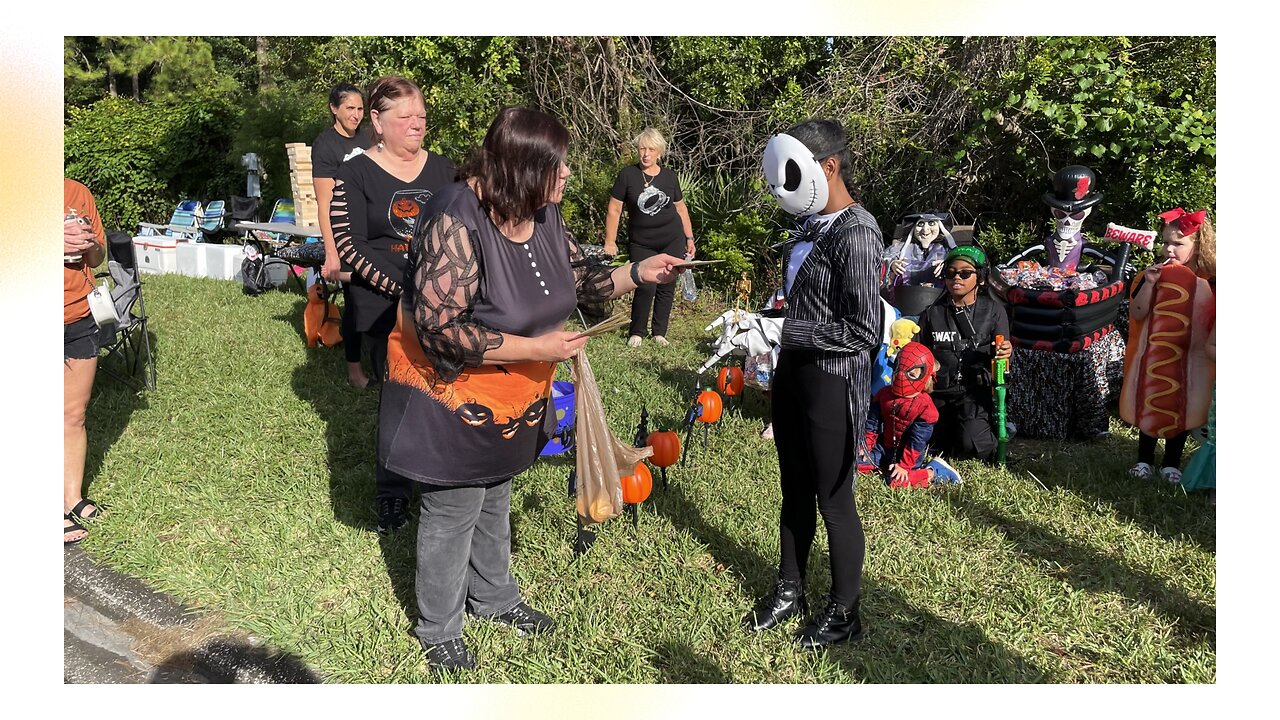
<point x="80" y="506"/>
<point x="73" y="527"/>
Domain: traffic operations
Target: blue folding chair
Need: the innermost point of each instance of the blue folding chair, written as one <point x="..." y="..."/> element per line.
<point x="214" y="220"/>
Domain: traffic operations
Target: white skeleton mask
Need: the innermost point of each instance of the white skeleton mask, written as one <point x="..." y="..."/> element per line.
<point x="1069" y="224"/>
<point x="794" y="176"/>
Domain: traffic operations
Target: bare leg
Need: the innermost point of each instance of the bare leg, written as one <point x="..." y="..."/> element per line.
<point x="77" y="385"/>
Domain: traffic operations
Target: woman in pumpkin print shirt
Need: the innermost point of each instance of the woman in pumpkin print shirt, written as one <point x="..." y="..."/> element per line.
<point x="378" y="198"/>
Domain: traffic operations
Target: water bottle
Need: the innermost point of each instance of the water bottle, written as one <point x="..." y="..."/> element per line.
<point x="688" y="288"/>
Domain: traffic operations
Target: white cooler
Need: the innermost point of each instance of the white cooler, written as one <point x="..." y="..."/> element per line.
<point x="157" y="254"/>
<point x="217" y="262"/>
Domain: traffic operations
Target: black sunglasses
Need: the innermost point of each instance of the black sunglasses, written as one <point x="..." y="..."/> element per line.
<point x="1060" y="214"/>
<point x="949" y="274"/>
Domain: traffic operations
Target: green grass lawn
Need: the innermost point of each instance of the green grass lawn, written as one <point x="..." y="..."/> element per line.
<point x="243" y="485"/>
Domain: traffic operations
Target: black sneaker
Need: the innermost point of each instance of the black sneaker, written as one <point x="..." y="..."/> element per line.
<point x="393" y="514"/>
<point x="449" y="655"/>
<point x="525" y="619"/>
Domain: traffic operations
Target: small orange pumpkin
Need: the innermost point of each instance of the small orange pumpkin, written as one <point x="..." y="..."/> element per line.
<point x="711" y="406"/>
<point x="637" y="486"/>
<point x="730" y="381"/>
<point x="405" y="208"/>
<point x="666" y="448"/>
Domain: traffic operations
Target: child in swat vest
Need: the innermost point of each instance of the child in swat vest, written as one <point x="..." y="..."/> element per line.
<point x="961" y="328"/>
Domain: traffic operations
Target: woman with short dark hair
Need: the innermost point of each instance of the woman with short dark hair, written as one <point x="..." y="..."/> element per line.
<point x="493" y="276"/>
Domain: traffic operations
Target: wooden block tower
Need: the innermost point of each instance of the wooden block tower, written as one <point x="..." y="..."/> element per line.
<point x="305" y="206"/>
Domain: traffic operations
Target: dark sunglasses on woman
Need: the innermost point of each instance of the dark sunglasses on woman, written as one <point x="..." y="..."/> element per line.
<point x="962" y="274"/>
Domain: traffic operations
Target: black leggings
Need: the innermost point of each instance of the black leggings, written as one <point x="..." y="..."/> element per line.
<point x="816" y="455"/>
<point x="351" y="338"/>
<point x="1172" y="449"/>
<point x="644" y="295"/>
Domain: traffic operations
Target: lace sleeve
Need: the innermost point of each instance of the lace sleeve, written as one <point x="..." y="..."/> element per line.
<point x="592" y="274"/>
<point x="444" y="278"/>
<point x="348" y="218"/>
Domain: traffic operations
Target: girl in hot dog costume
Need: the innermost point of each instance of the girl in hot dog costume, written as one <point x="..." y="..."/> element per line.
<point x="1168" y="376"/>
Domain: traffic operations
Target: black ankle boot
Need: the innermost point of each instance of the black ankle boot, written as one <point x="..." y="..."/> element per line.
<point x="787" y="599"/>
<point x="835" y="624"/>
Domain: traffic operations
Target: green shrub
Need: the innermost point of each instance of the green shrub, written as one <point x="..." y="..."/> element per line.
<point x="140" y="159"/>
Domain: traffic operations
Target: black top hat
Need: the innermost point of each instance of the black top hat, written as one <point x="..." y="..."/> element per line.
<point x="941" y="216"/>
<point x="1073" y="188"/>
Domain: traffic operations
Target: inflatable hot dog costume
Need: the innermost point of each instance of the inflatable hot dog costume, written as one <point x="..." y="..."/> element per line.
<point x="1168" y="379"/>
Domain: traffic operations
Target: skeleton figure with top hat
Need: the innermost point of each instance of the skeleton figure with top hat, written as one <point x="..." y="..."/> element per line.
<point x="1072" y="200"/>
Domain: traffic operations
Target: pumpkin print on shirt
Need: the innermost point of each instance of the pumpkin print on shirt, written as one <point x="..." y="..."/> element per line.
<point x="405" y="211"/>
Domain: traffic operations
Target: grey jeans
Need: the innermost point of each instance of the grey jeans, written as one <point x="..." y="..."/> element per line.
<point x="464" y="555"/>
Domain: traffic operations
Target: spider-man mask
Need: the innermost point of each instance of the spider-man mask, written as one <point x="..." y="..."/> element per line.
<point x="914" y="369"/>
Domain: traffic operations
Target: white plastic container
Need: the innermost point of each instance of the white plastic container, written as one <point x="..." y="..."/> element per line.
<point x="217" y="262"/>
<point x="157" y="254"/>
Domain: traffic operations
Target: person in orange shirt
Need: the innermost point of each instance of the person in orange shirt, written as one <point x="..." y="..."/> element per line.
<point x="84" y="244"/>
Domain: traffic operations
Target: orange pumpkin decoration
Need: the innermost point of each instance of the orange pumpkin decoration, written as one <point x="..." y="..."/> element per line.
<point x="666" y="448"/>
<point x="321" y="319"/>
<point x="637" y="486"/>
<point x="405" y="208"/>
<point x="730" y="381"/>
<point x="711" y="406"/>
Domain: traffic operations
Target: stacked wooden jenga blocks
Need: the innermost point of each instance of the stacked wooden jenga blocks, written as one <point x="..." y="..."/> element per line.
<point x="305" y="207"/>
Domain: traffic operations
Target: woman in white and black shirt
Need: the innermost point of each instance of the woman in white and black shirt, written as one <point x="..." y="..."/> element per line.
<point x="657" y="223"/>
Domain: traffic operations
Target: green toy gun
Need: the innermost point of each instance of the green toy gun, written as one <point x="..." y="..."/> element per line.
<point x="999" y="369"/>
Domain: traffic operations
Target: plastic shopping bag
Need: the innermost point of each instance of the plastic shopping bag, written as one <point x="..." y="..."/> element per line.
<point x="602" y="458"/>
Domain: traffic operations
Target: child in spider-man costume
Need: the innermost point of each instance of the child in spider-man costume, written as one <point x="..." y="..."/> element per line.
<point x="900" y="424"/>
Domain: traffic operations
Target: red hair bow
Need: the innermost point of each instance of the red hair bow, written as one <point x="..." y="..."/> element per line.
<point x="1187" y="223"/>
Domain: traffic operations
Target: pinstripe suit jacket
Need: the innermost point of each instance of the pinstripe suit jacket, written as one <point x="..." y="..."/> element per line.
<point x="833" y="309"/>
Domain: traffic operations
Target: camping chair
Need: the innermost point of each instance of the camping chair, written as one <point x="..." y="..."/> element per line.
<point x="214" y="220"/>
<point x="129" y="340"/>
<point x="184" y="224"/>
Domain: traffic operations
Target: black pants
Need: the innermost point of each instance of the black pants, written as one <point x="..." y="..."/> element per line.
<point x="375" y="337"/>
<point x="351" y="345"/>
<point x="1172" y="449"/>
<point x="964" y="428"/>
<point x="644" y="296"/>
<point x="816" y="460"/>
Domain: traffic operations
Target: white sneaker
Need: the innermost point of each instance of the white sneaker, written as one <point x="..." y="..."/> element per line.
<point x="767" y="433"/>
<point x="1171" y="475"/>
<point x="634" y="341"/>
<point x="1141" y="471"/>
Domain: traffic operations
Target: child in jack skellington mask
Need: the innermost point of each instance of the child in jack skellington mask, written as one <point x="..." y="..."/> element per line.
<point x="821" y="385"/>
<point x="901" y="422"/>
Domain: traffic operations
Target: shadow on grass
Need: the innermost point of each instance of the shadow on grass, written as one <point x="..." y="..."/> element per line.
<point x="111" y="404"/>
<point x="227" y="660"/>
<point x="1086" y="569"/>
<point x="904" y="643"/>
<point x="350" y="418"/>
<point x="677" y="662"/>
<point x="1099" y="470"/>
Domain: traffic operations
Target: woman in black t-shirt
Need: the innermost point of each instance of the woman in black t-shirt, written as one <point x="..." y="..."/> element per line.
<point x="378" y="200"/>
<point x="657" y="223"/>
<point x="345" y="139"/>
